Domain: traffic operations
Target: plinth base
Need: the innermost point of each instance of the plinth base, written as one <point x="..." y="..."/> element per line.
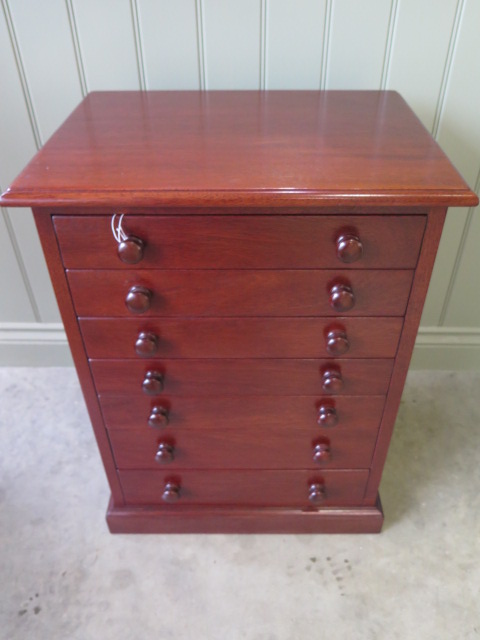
<point x="145" y="519"/>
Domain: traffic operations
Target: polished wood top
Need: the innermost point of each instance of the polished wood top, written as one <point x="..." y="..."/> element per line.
<point x="240" y="148"/>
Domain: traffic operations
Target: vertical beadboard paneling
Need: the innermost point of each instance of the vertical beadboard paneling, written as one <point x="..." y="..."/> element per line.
<point x="169" y="37"/>
<point x="52" y="79"/>
<point x="416" y="67"/>
<point x="24" y="279"/>
<point x="294" y="44"/>
<point x="357" y="44"/>
<point x="15" y="304"/>
<point x="427" y="50"/>
<point x="107" y="43"/>
<point x="459" y="136"/>
<point x="232" y="43"/>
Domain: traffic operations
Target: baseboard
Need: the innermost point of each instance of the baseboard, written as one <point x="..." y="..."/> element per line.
<point x="30" y="344"/>
<point x="441" y="348"/>
<point x="45" y="345"/>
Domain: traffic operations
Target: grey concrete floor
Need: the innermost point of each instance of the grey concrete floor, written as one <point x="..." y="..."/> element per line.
<point x="63" y="576"/>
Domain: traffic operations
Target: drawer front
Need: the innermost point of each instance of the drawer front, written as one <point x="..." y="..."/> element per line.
<point x="244" y="488"/>
<point x="268" y="448"/>
<point x="287" y="414"/>
<point x="242" y="242"/>
<point x="242" y="337"/>
<point x="98" y="293"/>
<point x="244" y="377"/>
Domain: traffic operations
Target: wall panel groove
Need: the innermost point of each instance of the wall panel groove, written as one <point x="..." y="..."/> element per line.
<point x="22" y="75"/>
<point x="200" y="44"/>
<point x="263" y="43"/>
<point x="452" y="45"/>
<point x="327" y="27"/>
<point x="76" y="47"/>
<point x="137" y="32"/>
<point x="392" y="23"/>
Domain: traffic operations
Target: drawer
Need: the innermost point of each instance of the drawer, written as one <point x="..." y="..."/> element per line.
<point x="267" y="448"/>
<point x="245" y="488"/>
<point x="242" y="337"/>
<point x="215" y="293"/>
<point x="243" y="377"/>
<point x="317" y="415"/>
<point x="242" y="242"/>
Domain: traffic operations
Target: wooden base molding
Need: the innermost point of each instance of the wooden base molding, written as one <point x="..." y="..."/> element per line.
<point x="368" y="519"/>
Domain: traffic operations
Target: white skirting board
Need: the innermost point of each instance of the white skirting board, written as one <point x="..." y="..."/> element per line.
<point x="45" y="344"/>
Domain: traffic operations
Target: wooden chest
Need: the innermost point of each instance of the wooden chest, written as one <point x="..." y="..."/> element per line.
<point x="241" y="277"/>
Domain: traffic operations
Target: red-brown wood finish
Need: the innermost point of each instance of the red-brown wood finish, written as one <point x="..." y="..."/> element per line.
<point x="279" y="148"/>
<point x="267" y="448"/>
<point x="211" y="519"/>
<point x="210" y="293"/>
<point x="239" y="337"/>
<point x="242" y="241"/>
<point x="242" y="376"/>
<point x="268" y="488"/>
<point x="287" y="414"/>
<point x="59" y="280"/>
<point x="407" y="342"/>
<point x="236" y="345"/>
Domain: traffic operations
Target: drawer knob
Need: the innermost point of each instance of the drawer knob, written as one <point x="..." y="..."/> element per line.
<point x="146" y="344"/>
<point x="327" y="416"/>
<point x="158" y="417"/>
<point x="337" y="342"/>
<point x="342" y="297"/>
<point x="332" y="381"/>
<point x="171" y="492"/>
<point x="349" y="248"/>
<point x="317" y="493"/>
<point x="130" y="250"/>
<point x="322" y="453"/>
<point x="165" y="453"/>
<point x="138" y="299"/>
<point x="152" y="384"/>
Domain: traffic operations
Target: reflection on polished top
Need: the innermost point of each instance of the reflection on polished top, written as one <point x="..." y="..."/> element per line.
<point x="301" y="148"/>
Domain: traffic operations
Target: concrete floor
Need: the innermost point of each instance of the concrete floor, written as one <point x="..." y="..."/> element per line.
<point x="63" y="576"/>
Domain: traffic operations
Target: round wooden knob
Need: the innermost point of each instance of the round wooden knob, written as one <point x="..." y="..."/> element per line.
<point x="349" y="248"/>
<point x="342" y="297"/>
<point x="152" y="384"/>
<point x="130" y="250"/>
<point x="337" y="342"/>
<point x="317" y="493"/>
<point x="158" y="417"/>
<point x="138" y="299"/>
<point x="165" y="453"/>
<point x="171" y="492"/>
<point x="146" y="344"/>
<point x="322" y="453"/>
<point x="327" y="416"/>
<point x="332" y="381"/>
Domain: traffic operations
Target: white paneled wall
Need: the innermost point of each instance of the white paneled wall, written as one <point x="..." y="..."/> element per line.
<point x="52" y="53"/>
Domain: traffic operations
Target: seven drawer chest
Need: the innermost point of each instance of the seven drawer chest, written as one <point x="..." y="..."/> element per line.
<point x="241" y="277"/>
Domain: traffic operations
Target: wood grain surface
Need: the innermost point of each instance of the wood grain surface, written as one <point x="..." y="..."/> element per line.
<point x="300" y="292"/>
<point x="267" y="448"/>
<point x="229" y="146"/>
<point x="284" y="413"/>
<point x="242" y="242"/>
<point x="247" y="487"/>
<point x="241" y="337"/>
<point x="241" y="377"/>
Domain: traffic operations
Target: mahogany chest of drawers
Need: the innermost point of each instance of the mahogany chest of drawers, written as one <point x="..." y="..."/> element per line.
<point x="241" y="277"/>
